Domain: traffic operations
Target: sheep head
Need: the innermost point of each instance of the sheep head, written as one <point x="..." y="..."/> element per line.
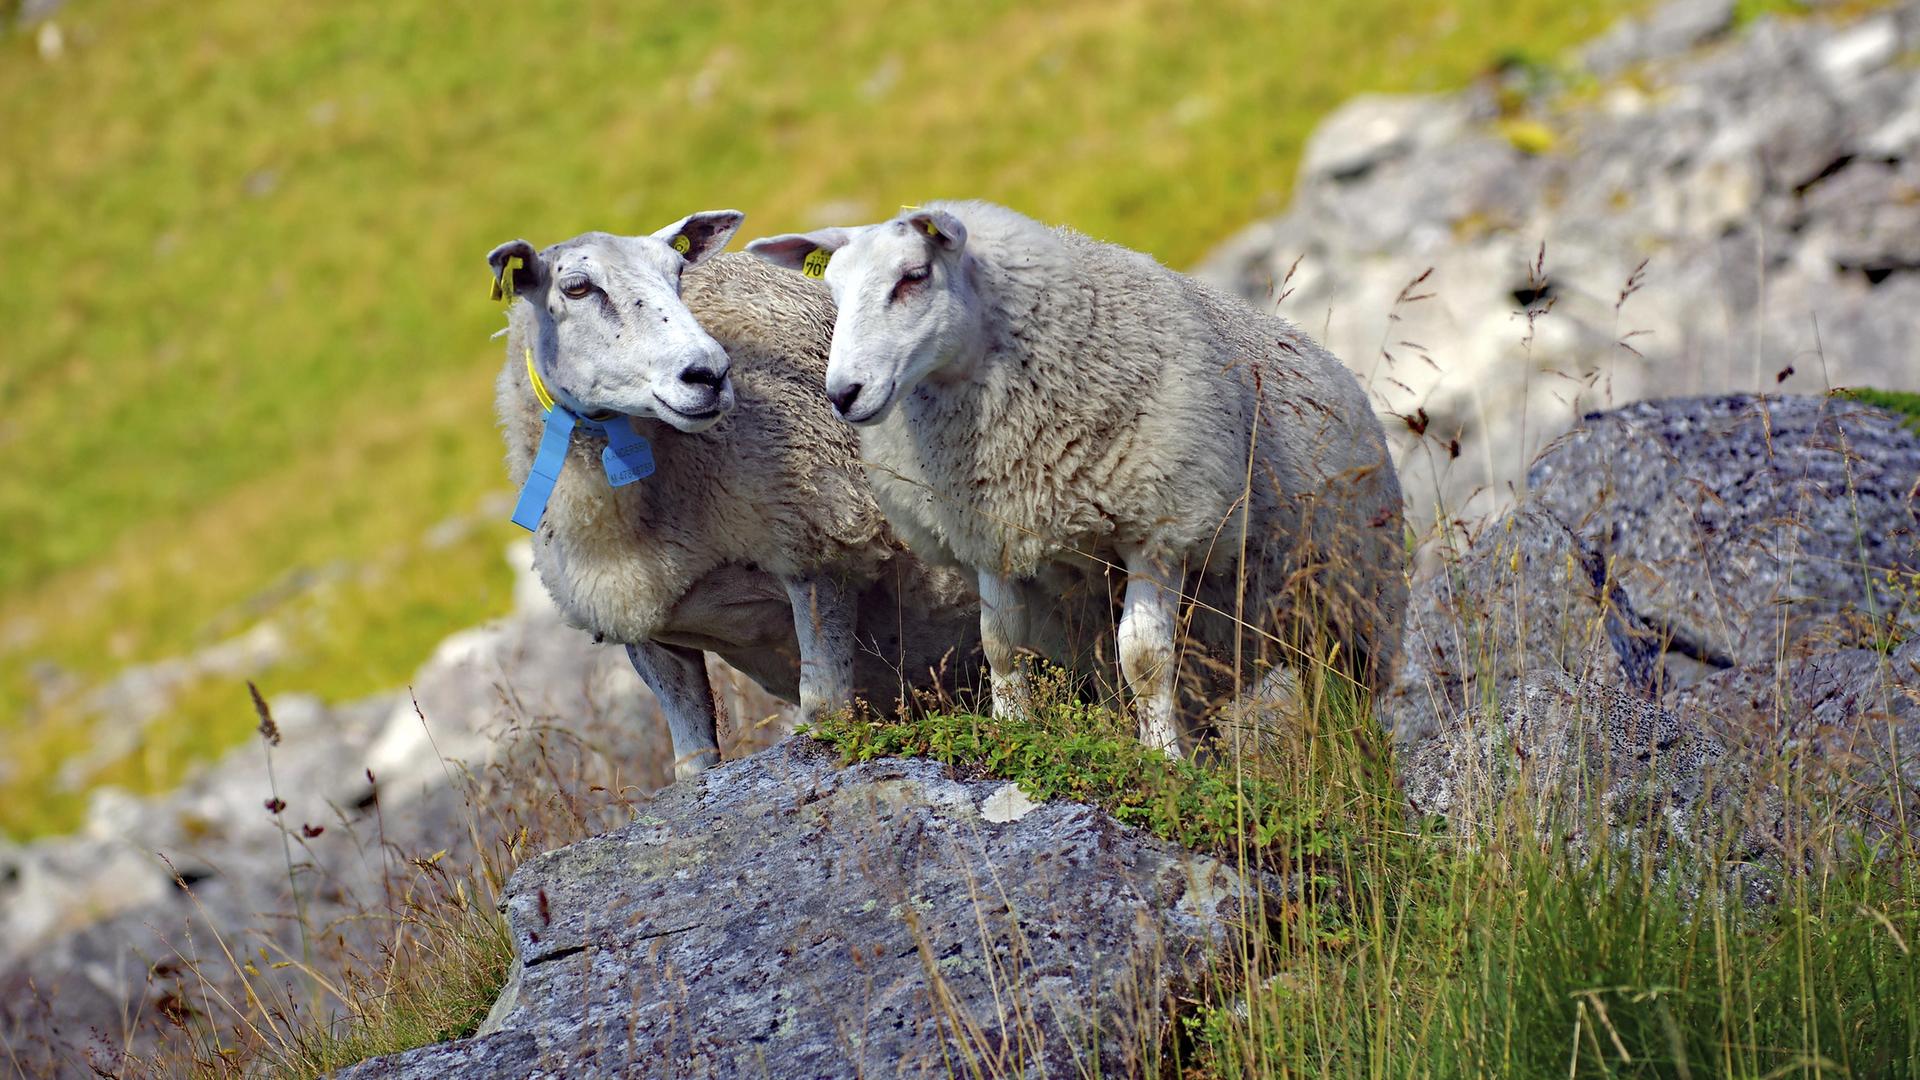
<point x="907" y="308"/>
<point x="609" y="332"/>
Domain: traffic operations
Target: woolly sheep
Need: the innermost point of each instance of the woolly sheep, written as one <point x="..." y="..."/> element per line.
<point x="1036" y="405"/>
<point x="756" y="538"/>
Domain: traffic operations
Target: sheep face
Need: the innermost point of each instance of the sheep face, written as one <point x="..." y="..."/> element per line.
<point x="609" y="332"/>
<point x="907" y="309"/>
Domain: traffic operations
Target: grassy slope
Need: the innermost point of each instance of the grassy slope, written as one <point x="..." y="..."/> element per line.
<point x="1407" y="954"/>
<point x="245" y="337"/>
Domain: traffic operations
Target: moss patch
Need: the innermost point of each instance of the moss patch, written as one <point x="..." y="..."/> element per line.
<point x="1904" y="405"/>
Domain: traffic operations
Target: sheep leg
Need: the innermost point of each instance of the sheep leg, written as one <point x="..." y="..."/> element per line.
<point x="1003" y="635"/>
<point x="678" y="679"/>
<point x="823" y="619"/>
<point x="1148" y="625"/>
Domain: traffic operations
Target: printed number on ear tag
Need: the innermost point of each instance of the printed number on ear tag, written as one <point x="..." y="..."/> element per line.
<point x="815" y="264"/>
<point x="681" y="244"/>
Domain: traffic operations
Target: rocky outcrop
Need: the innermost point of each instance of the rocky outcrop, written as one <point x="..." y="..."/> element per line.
<point x="783" y="916"/>
<point x="1741" y="527"/>
<point x="1700" y="630"/>
<point x="1740" y="779"/>
<point x="524" y="721"/>
<point x="1721" y="207"/>
<point x="1667" y="540"/>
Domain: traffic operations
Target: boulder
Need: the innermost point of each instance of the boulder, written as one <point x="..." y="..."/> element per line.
<point x="1742" y="526"/>
<point x="1695" y="205"/>
<point x="1748" y="775"/>
<point x="523" y="721"/>
<point x="1665" y="541"/>
<point x="783" y="916"/>
<point x="1698" y="635"/>
<point x="1524" y="595"/>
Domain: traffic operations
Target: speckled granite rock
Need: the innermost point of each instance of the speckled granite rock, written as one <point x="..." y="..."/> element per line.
<point x="1523" y="596"/>
<point x="1587" y="760"/>
<point x="1840" y="729"/>
<point x="782" y="916"/>
<point x="1743" y="526"/>
<point x="1747" y="774"/>
<point x="1700" y="628"/>
<point x="1668" y="540"/>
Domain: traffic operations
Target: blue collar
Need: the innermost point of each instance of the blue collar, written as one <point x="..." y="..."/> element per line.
<point x="627" y="458"/>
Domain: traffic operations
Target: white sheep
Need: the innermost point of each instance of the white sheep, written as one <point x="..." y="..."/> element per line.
<point x="1036" y="406"/>
<point x="756" y="537"/>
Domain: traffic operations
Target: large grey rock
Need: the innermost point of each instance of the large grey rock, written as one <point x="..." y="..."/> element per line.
<point x="1838" y="732"/>
<point x="1588" y="764"/>
<point x="1698" y="635"/>
<point x="1749" y="189"/>
<point x="1665" y="541"/>
<point x="524" y="721"/>
<point x="783" y="916"/>
<point x="1743" y="526"/>
<point x="1522" y="596"/>
<point x="1748" y="775"/>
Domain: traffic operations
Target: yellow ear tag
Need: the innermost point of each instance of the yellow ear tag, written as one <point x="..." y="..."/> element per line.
<point x="815" y="264"/>
<point x="931" y="231"/>
<point x="681" y="244"/>
<point x="503" y="284"/>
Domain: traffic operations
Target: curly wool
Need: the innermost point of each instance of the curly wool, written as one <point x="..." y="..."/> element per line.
<point x="693" y="554"/>
<point x="1124" y="405"/>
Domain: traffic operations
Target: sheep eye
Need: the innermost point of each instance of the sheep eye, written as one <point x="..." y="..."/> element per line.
<point x="576" y="288"/>
<point x="907" y="281"/>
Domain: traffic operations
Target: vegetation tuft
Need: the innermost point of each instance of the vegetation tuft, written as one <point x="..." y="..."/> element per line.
<point x="1424" y="955"/>
<point x="1901" y="404"/>
<point x="1088" y="753"/>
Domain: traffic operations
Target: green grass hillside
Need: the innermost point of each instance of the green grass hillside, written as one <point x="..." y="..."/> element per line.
<point x="246" y="365"/>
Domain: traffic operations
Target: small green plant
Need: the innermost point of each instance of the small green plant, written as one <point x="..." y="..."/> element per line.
<point x="1900" y="403"/>
<point x="1089" y="753"/>
<point x="1747" y="12"/>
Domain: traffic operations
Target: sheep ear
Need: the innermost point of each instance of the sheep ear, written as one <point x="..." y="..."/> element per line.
<point x="944" y="228"/>
<point x="797" y="251"/>
<point x="700" y="235"/>
<point x="529" y="275"/>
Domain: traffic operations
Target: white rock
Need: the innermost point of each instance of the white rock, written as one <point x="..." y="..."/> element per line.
<point x="1860" y="50"/>
<point x="1007" y="803"/>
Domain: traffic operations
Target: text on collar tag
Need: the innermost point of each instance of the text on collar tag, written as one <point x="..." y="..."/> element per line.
<point x="628" y="456"/>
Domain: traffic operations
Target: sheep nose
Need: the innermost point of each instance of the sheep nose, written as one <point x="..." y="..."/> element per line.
<point x="844" y="397"/>
<point x="709" y="377"/>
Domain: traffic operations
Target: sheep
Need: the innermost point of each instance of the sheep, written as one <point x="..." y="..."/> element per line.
<point x="1035" y="405"/>
<point x="756" y="537"/>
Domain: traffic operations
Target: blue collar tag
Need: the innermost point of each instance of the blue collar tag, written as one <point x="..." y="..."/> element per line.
<point x="545" y="472"/>
<point x="627" y="457"/>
